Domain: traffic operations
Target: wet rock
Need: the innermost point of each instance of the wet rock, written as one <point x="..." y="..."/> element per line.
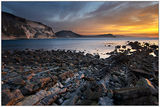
<point x="11" y="98"/>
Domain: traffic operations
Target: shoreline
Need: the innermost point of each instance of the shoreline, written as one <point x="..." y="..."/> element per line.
<point x="60" y="77"/>
<point x="80" y="38"/>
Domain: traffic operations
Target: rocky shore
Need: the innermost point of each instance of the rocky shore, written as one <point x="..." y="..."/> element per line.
<point x="58" y="77"/>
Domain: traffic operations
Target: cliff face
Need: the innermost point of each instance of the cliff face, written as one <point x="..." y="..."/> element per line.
<point x="14" y="27"/>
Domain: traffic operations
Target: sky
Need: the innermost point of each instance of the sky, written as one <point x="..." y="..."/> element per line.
<point x="129" y="18"/>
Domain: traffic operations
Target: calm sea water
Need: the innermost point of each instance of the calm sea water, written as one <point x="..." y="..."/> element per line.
<point x="88" y="45"/>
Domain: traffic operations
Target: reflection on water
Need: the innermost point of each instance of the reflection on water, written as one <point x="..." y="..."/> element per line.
<point x="99" y="46"/>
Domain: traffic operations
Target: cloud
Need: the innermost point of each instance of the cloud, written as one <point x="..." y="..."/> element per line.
<point x="117" y="17"/>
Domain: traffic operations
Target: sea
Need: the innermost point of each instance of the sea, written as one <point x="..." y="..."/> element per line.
<point x="99" y="46"/>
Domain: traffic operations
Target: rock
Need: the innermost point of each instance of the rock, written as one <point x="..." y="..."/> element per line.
<point x="59" y="101"/>
<point x="60" y="85"/>
<point x="11" y="98"/>
<point x="16" y="81"/>
<point x="81" y="76"/>
<point x="144" y="100"/>
<point x="124" y="46"/>
<point x="110" y="93"/>
<point x="97" y="56"/>
<point x="130" y="93"/>
<point x="89" y="78"/>
<point x="54" y="104"/>
<point x="58" y="90"/>
<point x="71" y="101"/>
<point x="33" y="99"/>
<point x="142" y="72"/>
<point x="105" y="101"/>
<point x="143" y="82"/>
<point x="36" y="83"/>
<point x="48" y="100"/>
<point x="115" y="78"/>
<point x="68" y="95"/>
<point x="76" y="75"/>
<point x="30" y="76"/>
<point x="43" y="97"/>
<point x="66" y="75"/>
<point x="68" y="79"/>
<point x="89" y="92"/>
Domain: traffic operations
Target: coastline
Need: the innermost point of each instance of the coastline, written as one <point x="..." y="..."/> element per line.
<point x="80" y="38"/>
<point x="58" y="77"/>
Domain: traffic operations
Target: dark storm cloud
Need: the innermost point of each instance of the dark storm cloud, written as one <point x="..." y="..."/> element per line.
<point x="86" y="17"/>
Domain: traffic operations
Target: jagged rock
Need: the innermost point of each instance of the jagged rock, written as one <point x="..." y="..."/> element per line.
<point x="11" y="98"/>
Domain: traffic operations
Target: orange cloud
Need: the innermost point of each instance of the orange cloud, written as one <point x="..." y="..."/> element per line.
<point x="129" y="21"/>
